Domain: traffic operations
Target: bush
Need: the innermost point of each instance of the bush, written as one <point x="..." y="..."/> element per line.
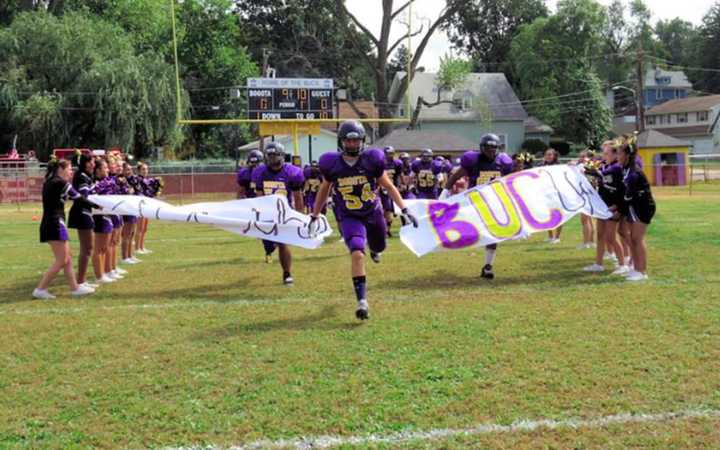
<point x="562" y="147"/>
<point x="534" y="146"/>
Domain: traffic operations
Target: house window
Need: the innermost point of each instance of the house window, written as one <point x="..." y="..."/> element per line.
<point x="682" y="118"/>
<point x="658" y="94"/>
<point x="702" y="116"/>
<point x="669" y="119"/>
<point x="650" y="120"/>
<point x="661" y="120"/>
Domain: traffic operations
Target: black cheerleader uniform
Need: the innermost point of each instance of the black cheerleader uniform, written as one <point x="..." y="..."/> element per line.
<point x="611" y="187"/>
<point x="81" y="216"/>
<point x="54" y="194"/>
<point x="639" y="205"/>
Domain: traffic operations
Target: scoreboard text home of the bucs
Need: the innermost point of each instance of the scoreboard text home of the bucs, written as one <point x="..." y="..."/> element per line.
<point x="290" y="98"/>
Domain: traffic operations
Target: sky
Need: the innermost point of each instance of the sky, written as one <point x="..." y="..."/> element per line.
<point x="369" y="13"/>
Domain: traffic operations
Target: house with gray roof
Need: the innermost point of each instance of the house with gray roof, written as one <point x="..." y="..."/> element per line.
<point x="693" y="119"/>
<point x="484" y="103"/>
<point x="663" y="85"/>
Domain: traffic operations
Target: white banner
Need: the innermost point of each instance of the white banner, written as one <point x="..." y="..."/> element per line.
<point x="268" y="217"/>
<point x="511" y="207"/>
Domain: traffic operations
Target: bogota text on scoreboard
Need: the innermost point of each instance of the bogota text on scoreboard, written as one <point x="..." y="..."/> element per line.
<point x="290" y="98"/>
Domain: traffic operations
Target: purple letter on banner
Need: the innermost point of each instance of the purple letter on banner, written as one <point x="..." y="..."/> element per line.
<point x="453" y="234"/>
<point x="555" y="215"/>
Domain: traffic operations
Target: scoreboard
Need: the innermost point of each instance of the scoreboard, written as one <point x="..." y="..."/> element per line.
<point x="290" y="98"/>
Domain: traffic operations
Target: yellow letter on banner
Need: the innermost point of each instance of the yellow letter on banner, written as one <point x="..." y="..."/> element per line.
<point x="499" y="230"/>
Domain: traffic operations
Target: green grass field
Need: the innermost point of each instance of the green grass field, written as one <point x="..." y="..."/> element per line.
<point x="201" y="345"/>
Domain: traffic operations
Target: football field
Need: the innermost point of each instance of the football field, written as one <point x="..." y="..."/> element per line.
<point x="202" y="346"/>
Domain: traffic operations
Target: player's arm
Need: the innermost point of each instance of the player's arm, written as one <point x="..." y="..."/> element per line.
<point x="298" y="201"/>
<point x="321" y="197"/>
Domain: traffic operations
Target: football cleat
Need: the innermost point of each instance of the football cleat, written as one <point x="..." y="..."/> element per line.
<point x="363" y="310"/>
<point x="288" y="280"/>
<point x="375" y="257"/>
<point x="487" y="272"/>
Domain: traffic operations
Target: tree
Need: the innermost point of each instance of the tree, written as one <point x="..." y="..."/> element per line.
<point x="382" y="49"/>
<point x="75" y="80"/>
<point x="708" y="52"/>
<point x="617" y="64"/>
<point x="678" y="37"/>
<point x="452" y="74"/>
<point x="398" y="63"/>
<point x="484" y="29"/>
<point x="555" y="60"/>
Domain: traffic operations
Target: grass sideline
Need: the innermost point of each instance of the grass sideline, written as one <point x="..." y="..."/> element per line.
<point x="202" y="345"/>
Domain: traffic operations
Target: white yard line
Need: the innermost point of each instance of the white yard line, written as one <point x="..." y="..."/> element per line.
<point x="313" y="442"/>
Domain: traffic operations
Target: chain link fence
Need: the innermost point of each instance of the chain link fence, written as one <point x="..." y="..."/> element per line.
<point x="188" y="179"/>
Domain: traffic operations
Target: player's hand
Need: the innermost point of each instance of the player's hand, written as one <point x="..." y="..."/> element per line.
<point x="408" y="217"/>
<point x="313" y="227"/>
<point x="444" y="194"/>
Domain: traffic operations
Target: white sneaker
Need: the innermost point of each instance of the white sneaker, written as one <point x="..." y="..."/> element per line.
<point x="140" y="251"/>
<point x="82" y="290"/>
<point x="42" y="294"/>
<point x="105" y="279"/>
<point x="591" y="245"/>
<point x="636" y="276"/>
<point x="594" y="268"/>
<point x="114" y="275"/>
<point x="146" y="251"/>
<point x="128" y="261"/>
<point x="136" y="260"/>
<point x="555" y="241"/>
<point x="549" y="240"/>
<point x="90" y="285"/>
<point x="120" y="271"/>
<point x="621" y="270"/>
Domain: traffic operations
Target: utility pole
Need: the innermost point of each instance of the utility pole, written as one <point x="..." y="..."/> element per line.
<point x="640" y="91"/>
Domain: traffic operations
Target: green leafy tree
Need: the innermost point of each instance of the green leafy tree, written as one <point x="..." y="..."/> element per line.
<point x="555" y="61"/>
<point x="81" y="76"/>
<point x="707" y="54"/>
<point x="484" y="29"/>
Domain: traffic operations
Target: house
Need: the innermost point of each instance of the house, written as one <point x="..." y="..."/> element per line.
<point x="664" y="85"/>
<point x="693" y="119"/>
<point x="660" y="86"/>
<point x="665" y="158"/>
<point x="485" y="103"/>
<point x="535" y="129"/>
<point x="412" y="141"/>
<point x="310" y="147"/>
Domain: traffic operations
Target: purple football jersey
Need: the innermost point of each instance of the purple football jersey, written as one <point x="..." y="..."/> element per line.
<point x="481" y="170"/>
<point x="354" y="185"/>
<point x="427" y="177"/>
<point x="283" y="182"/>
<point x="244" y="179"/>
<point x="394" y="168"/>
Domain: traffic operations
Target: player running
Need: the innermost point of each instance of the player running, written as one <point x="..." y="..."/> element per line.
<point x="278" y="177"/>
<point x="482" y="167"/>
<point x="354" y="173"/>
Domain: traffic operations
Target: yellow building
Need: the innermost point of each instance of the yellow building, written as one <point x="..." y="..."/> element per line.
<point x="665" y="159"/>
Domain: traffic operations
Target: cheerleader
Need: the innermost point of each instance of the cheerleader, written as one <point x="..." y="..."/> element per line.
<point x="586" y="159"/>
<point x="611" y="189"/>
<point x="131" y="186"/>
<point x="551" y="158"/>
<point x="638" y="207"/>
<point x="56" y="190"/>
<point x="151" y="187"/>
<point x="81" y="217"/>
<point x="103" y="225"/>
<point x="119" y="187"/>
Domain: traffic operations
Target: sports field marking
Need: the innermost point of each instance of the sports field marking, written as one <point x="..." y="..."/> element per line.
<point x="521" y="426"/>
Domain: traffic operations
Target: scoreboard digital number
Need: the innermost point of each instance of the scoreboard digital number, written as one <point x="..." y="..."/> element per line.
<point x="299" y="99"/>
